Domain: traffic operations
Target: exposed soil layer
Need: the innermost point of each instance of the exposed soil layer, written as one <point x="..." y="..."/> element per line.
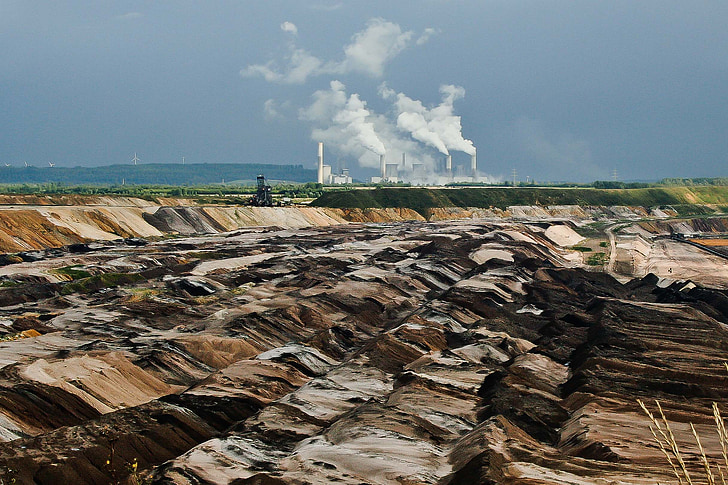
<point x="31" y="222"/>
<point x="397" y="353"/>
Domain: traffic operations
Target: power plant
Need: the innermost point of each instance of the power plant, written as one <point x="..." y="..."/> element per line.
<point x="417" y="173"/>
<point x="429" y="140"/>
<point x="324" y="171"/>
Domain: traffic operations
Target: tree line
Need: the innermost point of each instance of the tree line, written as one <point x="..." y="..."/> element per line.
<point x="157" y="174"/>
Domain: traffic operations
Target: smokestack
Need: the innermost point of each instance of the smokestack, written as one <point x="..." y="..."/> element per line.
<point x="382" y="166"/>
<point x="474" y="163"/>
<point x="321" y="163"/>
<point x="404" y="160"/>
<point x="448" y="164"/>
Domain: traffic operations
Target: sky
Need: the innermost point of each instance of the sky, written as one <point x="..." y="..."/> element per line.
<point x="555" y="90"/>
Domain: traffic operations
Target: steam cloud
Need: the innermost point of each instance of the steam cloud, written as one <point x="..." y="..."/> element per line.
<point x="412" y="119"/>
<point x="346" y="124"/>
<point x="438" y="127"/>
<point x="344" y="121"/>
<point x="368" y="53"/>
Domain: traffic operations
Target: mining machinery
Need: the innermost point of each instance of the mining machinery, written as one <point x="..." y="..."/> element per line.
<point x="263" y="196"/>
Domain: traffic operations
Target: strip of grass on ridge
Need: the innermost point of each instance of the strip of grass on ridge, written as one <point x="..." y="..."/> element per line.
<point x="500" y="197"/>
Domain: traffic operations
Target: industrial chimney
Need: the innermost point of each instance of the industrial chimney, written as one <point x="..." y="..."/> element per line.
<point x="473" y="164"/>
<point x="448" y="164"/>
<point x="321" y="162"/>
<point x="404" y="160"/>
<point x="382" y="166"/>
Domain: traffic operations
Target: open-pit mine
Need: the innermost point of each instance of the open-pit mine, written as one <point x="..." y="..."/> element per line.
<point x="179" y="344"/>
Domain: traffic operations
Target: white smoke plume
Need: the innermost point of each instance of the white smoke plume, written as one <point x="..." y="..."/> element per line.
<point x="437" y="127"/>
<point x="412" y="118"/>
<point x="368" y="53"/>
<point x="345" y="123"/>
<point x="354" y="118"/>
<point x="348" y="126"/>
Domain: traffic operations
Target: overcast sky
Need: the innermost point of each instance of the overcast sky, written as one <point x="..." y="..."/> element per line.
<point x="557" y="90"/>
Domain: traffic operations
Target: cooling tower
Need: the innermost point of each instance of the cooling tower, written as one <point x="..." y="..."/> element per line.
<point x="391" y="171"/>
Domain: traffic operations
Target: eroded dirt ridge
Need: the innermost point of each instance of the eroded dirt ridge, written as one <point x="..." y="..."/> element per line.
<point x="461" y="352"/>
<point x="30" y="223"/>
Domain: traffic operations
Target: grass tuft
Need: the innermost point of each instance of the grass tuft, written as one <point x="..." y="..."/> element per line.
<point x="665" y="439"/>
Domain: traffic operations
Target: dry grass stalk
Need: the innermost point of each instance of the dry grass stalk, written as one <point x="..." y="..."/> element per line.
<point x="723" y="437"/>
<point x="667" y="444"/>
<point x="672" y="442"/>
<point x="665" y="439"/>
<point x="663" y="442"/>
<point x="703" y="458"/>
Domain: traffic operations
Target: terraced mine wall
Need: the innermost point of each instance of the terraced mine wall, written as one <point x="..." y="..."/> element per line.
<point x="717" y="225"/>
<point x="459" y="352"/>
<point x="27" y="228"/>
<point x="40" y="222"/>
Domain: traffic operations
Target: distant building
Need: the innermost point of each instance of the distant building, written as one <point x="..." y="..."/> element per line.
<point x="391" y="172"/>
<point x="341" y="178"/>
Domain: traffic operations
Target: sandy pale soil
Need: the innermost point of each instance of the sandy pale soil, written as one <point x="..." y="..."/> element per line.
<point x="670" y="260"/>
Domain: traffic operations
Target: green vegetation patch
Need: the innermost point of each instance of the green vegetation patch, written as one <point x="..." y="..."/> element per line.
<point x="73" y="271"/>
<point x="502" y="197"/>
<point x="99" y="282"/>
<point x="581" y="249"/>
<point x="692" y="210"/>
<point x="597" y="259"/>
<point x="205" y="255"/>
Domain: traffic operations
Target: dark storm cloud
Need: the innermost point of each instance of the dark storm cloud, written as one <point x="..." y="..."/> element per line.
<point x="556" y="90"/>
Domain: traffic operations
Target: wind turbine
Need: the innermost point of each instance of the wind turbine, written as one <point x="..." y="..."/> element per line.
<point x="135" y="159"/>
<point x="51" y="164"/>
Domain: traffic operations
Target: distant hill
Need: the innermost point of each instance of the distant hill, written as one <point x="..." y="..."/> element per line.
<point x="156" y="173"/>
